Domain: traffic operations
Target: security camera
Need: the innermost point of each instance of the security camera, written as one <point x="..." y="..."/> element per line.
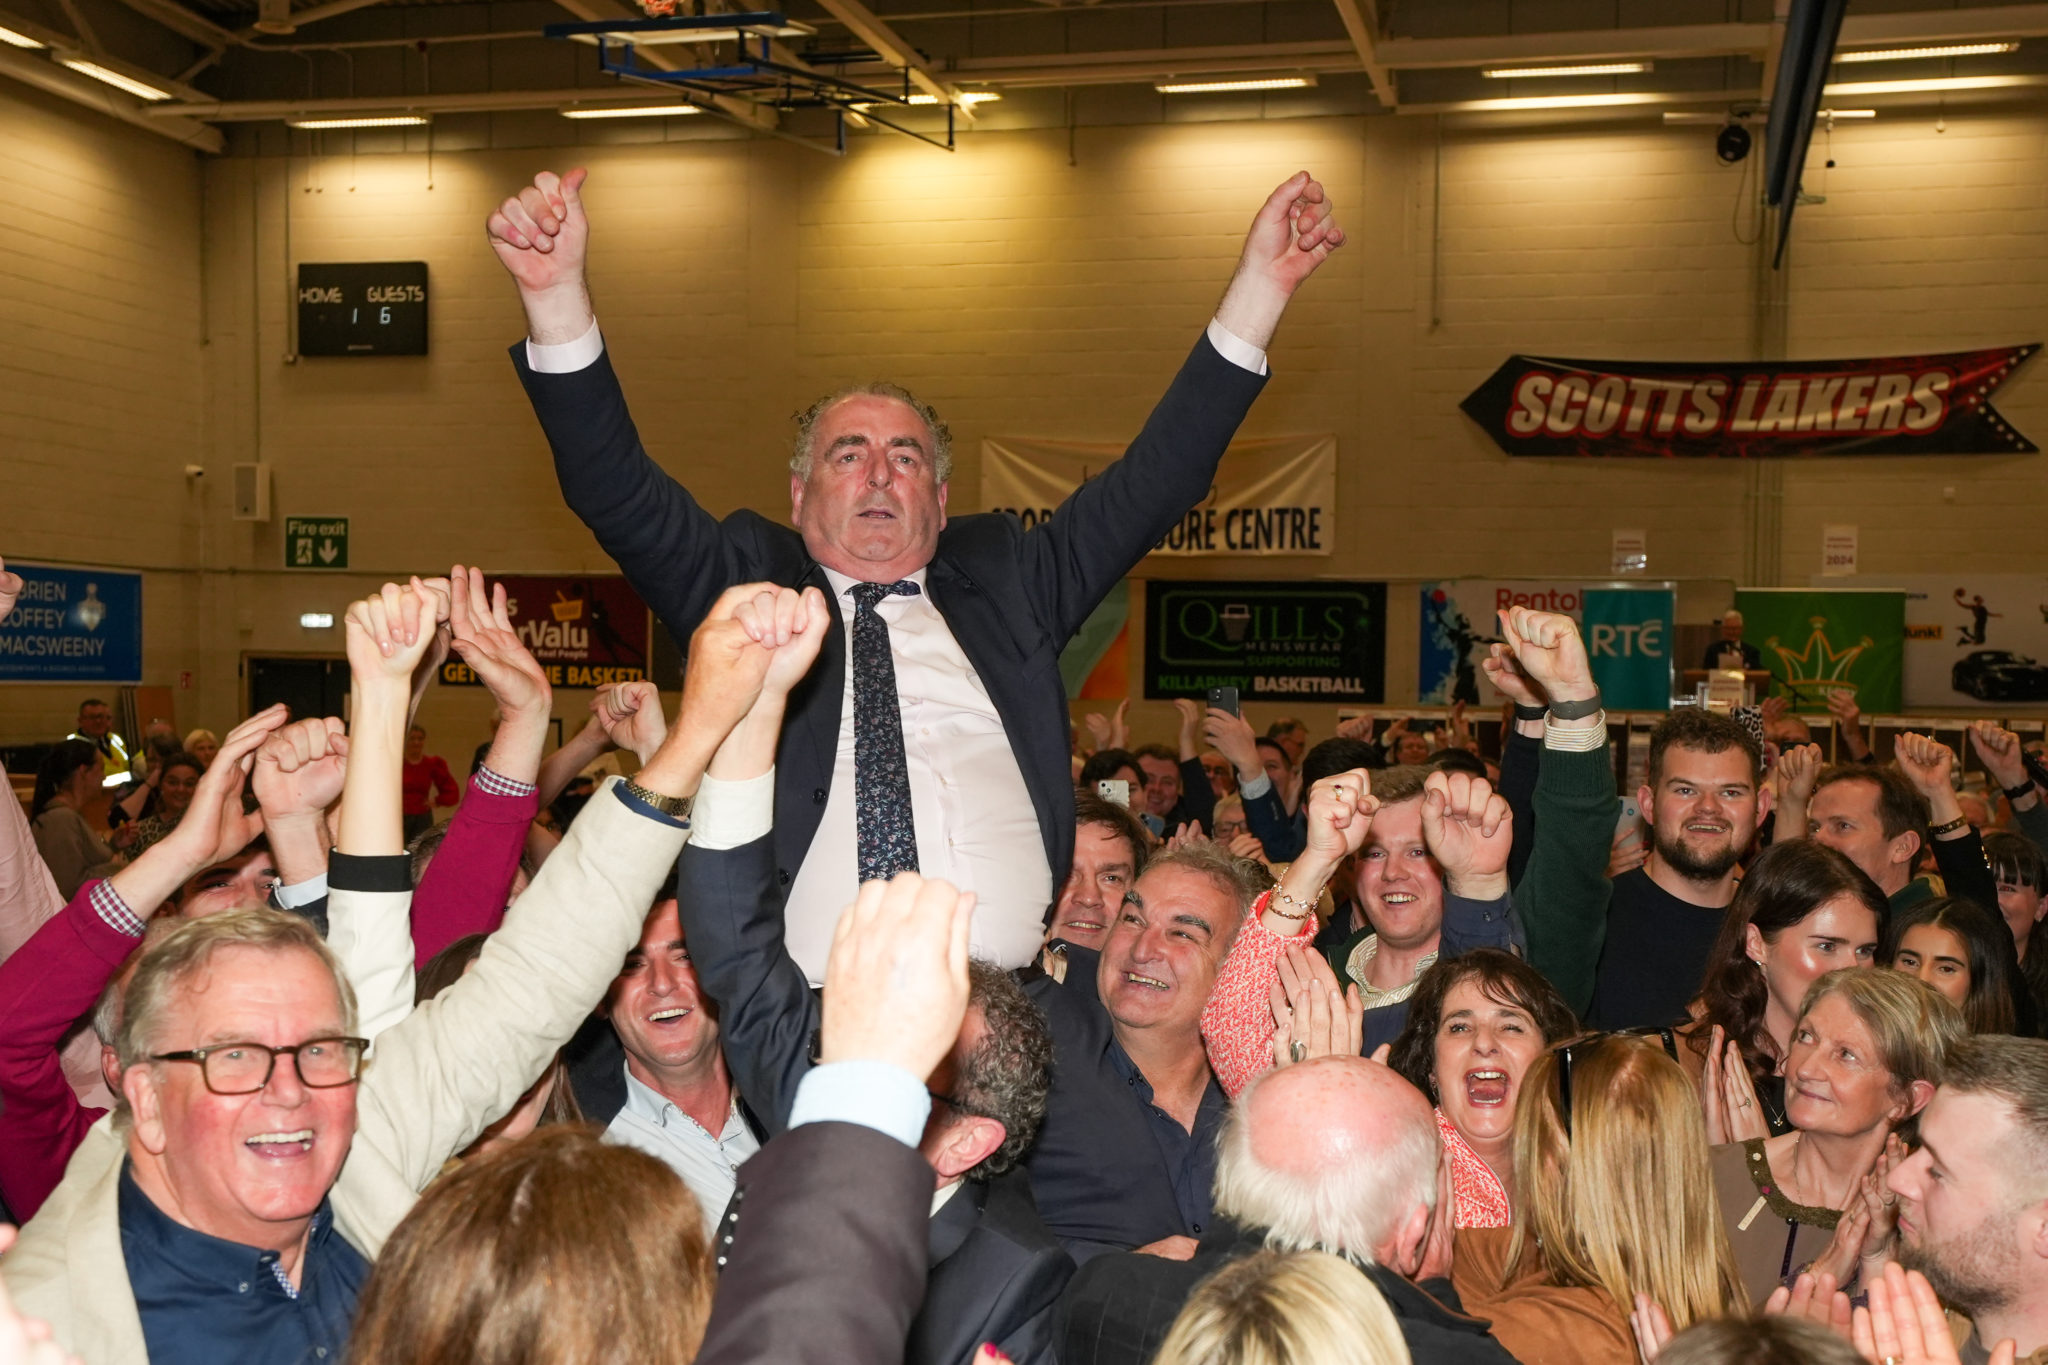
<point x="195" y="471"/>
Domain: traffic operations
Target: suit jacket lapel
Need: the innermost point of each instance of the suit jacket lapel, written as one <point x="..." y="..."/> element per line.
<point x="951" y="1224"/>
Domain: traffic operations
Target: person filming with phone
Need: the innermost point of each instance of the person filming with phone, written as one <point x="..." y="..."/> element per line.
<point x="935" y="736"/>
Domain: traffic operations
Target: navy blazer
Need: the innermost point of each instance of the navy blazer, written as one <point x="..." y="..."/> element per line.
<point x="1012" y="598"/>
<point x="995" y="1269"/>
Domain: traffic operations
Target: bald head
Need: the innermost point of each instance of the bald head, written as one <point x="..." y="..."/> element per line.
<point x="1338" y="1154"/>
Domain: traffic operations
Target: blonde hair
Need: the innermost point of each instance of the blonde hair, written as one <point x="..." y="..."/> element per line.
<point x="1285" y="1308"/>
<point x="1914" y="1025"/>
<point x="557" y="1249"/>
<point x="1626" y="1202"/>
<point x="192" y="740"/>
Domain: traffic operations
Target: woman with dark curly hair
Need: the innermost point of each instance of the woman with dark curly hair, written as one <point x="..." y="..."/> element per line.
<point x="1803" y="911"/>
<point x="1475" y="1023"/>
<point x="1959" y="949"/>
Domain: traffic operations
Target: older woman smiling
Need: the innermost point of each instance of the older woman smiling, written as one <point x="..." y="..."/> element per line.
<point x="1475" y="1024"/>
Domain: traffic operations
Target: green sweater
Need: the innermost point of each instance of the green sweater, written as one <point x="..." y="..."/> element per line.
<point x="1563" y="895"/>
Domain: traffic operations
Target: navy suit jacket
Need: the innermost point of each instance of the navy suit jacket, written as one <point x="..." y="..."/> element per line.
<point x="1013" y="598"/>
<point x="995" y="1269"/>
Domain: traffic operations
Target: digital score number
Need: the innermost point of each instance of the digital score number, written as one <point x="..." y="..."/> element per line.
<point x="373" y="309"/>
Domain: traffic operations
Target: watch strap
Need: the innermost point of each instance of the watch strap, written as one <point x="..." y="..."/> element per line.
<point x="1575" y="710"/>
<point x="1530" y="712"/>
<point x="676" y="806"/>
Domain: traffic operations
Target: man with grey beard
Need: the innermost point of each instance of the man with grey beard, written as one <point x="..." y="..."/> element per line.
<point x="1973" y="1200"/>
<point x="1703" y="802"/>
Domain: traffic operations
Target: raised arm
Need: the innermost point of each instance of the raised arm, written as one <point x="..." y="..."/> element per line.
<point x="1564" y="892"/>
<point x="1113" y="520"/>
<point x="1958" y="849"/>
<point x="730" y="901"/>
<point x="463" y="1058"/>
<point x="671" y="549"/>
<point x="467" y="885"/>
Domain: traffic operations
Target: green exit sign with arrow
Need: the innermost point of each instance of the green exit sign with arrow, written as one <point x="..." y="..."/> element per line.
<point x="316" y="542"/>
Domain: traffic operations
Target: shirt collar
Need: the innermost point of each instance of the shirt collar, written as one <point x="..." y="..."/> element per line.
<point x="842" y="586"/>
<point x="658" y="1109"/>
<point x="199" y="1256"/>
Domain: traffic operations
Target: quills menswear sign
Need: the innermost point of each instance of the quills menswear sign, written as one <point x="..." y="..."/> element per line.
<point x="1904" y="405"/>
<point x="1270" y="497"/>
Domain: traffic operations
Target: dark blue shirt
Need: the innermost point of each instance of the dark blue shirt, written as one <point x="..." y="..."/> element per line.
<point x="1190" y="1156"/>
<point x="204" y="1300"/>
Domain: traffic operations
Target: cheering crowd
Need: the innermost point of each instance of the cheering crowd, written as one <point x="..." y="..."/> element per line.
<point x="869" y="1017"/>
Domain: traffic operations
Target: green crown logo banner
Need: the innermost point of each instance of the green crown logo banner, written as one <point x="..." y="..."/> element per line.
<point x="1819" y="642"/>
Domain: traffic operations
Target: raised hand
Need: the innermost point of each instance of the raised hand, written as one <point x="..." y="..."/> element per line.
<point x="388" y="635"/>
<point x="300" y="769"/>
<point x="541" y="236"/>
<point x="630" y="716"/>
<point x="1340" y="811"/>
<point x="1548" y="648"/>
<point x="1190" y="726"/>
<point x="1849" y="720"/>
<point x="1727" y="1096"/>
<point x="896" y="980"/>
<point x="1905" y="1325"/>
<point x="1469" y="831"/>
<point x="10" y="589"/>
<point x="215" y="827"/>
<point x="1927" y="764"/>
<point x="1795" y="774"/>
<point x="485" y="640"/>
<point x="1652" y="1326"/>
<point x="792" y="624"/>
<point x="1247" y="845"/>
<point x="1312" y="1015"/>
<point x="1508" y="679"/>
<point x="1291" y="235"/>
<point x="1098" y="730"/>
<point x="1358" y="728"/>
<point x="1815" y="1297"/>
<point x="1231" y="735"/>
<point x="1998" y="749"/>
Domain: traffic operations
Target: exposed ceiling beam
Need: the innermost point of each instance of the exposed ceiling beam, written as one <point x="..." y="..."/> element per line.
<point x="313" y="14"/>
<point x="1774" y="51"/>
<point x="1612" y="104"/>
<point x="756" y="116"/>
<point x="1946" y="26"/>
<point x="44" y="75"/>
<point x="183" y="22"/>
<point x="1605" y="44"/>
<point x="876" y="33"/>
<point x="1361" y="22"/>
<point x="482" y="102"/>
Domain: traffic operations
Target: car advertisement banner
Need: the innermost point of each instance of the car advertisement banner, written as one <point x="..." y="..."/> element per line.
<point x="1899" y="405"/>
<point x="1815" y="643"/>
<point x="585" y="631"/>
<point x="73" y="625"/>
<point x="1271" y="640"/>
<point x="1973" y="640"/>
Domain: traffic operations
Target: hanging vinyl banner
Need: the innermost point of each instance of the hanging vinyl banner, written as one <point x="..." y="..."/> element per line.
<point x="1902" y="405"/>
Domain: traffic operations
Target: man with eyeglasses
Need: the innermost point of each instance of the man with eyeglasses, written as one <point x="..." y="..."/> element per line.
<point x="229" y="1211"/>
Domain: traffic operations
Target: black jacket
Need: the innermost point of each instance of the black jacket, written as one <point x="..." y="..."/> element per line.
<point x="1013" y="598"/>
<point x="1119" y="1308"/>
<point x="995" y="1270"/>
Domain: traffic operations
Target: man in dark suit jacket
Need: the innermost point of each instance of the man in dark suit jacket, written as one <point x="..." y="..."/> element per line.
<point x="988" y="601"/>
<point x="995" y="1270"/>
<point x="1337" y="1154"/>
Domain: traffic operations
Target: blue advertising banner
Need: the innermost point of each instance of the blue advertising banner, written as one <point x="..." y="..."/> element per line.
<point x="73" y="625"/>
<point x="1628" y="642"/>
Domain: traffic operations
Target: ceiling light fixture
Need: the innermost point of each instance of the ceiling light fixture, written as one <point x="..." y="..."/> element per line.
<point x="1908" y="54"/>
<point x="634" y="111"/>
<point x="1519" y="102"/>
<point x="1926" y="87"/>
<point x="1508" y="73"/>
<point x="1847" y="113"/>
<point x="13" y="39"/>
<point x="140" y="89"/>
<point x="1223" y="87"/>
<point x="317" y="620"/>
<point x="323" y="125"/>
<point x="967" y="97"/>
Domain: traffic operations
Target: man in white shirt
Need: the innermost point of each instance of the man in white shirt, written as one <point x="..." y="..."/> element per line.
<point x="934" y="735"/>
<point x="680" y="1102"/>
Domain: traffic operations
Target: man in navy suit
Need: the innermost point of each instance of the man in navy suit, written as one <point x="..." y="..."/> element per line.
<point x="935" y="735"/>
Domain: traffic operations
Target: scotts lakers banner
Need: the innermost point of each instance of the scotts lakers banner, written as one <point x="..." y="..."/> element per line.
<point x="1905" y="405"/>
<point x="1273" y="497"/>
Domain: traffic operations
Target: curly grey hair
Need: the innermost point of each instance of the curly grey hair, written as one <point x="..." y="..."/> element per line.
<point x="807" y="425"/>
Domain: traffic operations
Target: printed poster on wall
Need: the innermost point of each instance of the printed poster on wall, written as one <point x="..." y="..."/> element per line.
<point x="73" y="625"/>
<point x="586" y="631"/>
<point x="1272" y="641"/>
<point x="1973" y="640"/>
<point x="1270" y="497"/>
<point x="1897" y="405"/>
<point x="1628" y="631"/>
<point x="1819" y="642"/>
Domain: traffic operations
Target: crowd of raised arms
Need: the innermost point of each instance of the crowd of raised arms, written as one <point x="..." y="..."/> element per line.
<point x="867" y="1009"/>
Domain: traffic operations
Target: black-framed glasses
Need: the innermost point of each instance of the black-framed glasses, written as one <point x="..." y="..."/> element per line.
<point x="1583" y="1045"/>
<point x="245" y="1068"/>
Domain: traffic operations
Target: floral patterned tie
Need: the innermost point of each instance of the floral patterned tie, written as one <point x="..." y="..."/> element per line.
<point x="881" y="780"/>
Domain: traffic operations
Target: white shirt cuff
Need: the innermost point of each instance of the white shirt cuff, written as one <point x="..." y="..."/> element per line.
<point x="299" y="894"/>
<point x="1228" y="344"/>
<point x="1256" y="788"/>
<point x="731" y="814"/>
<point x="1576" y="739"/>
<point x="567" y="357"/>
<point x="874" y="1095"/>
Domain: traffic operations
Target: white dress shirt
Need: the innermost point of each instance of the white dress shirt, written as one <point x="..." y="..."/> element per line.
<point x="708" y="1164"/>
<point x="975" y="821"/>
